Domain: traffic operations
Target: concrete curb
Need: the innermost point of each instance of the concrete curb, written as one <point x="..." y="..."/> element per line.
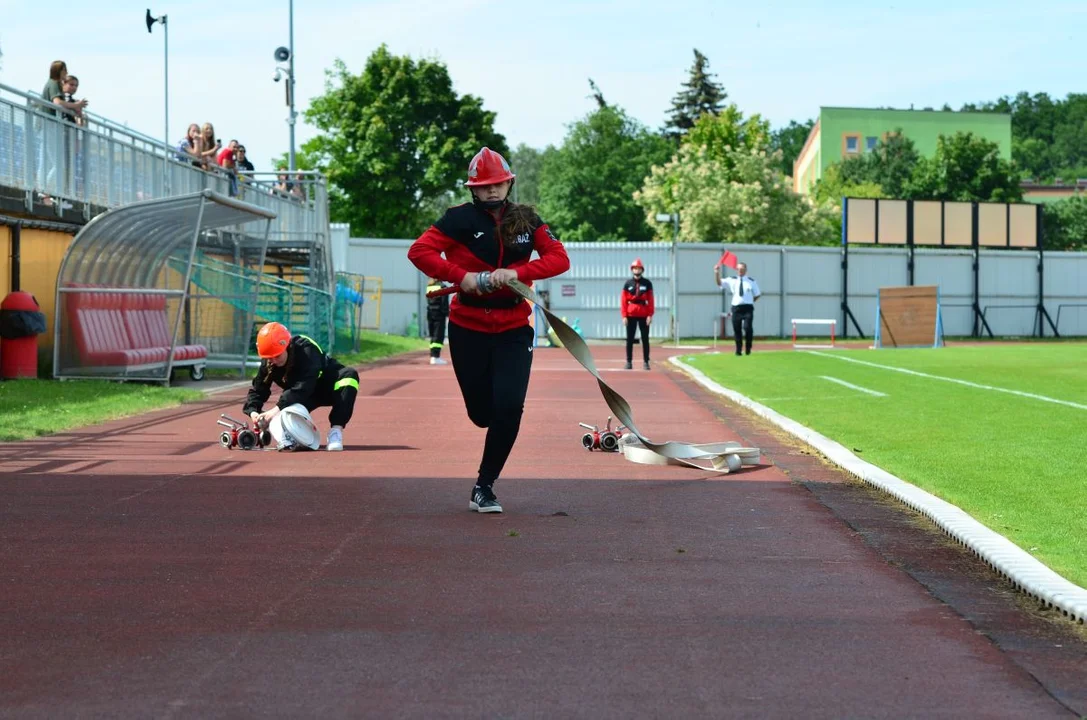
<point x="1008" y="559"/>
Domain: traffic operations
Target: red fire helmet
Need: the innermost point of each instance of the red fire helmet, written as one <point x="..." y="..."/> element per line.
<point x="488" y="168"/>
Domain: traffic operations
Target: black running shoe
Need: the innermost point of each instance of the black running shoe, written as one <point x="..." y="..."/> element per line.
<point x="646" y="365"/>
<point x="484" y="500"/>
<point x="629" y="365"/>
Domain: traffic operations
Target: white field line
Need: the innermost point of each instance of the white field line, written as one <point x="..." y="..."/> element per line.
<point x="1004" y="556"/>
<point x="851" y="386"/>
<point x="967" y="383"/>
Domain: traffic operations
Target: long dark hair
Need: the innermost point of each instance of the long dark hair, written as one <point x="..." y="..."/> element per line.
<point x="517" y="220"/>
<point x="269" y="367"/>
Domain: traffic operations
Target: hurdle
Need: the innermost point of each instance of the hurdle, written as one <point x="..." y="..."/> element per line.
<point x="814" y="321"/>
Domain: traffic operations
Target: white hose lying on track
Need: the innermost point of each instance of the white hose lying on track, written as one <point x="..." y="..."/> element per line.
<point x="722" y="457"/>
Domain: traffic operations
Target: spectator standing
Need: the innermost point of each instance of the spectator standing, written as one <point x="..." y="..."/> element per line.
<point x="53" y="94"/>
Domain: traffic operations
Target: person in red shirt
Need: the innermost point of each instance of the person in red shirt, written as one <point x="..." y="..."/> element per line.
<point x="490" y="339"/>
<point x="636" y="306"/>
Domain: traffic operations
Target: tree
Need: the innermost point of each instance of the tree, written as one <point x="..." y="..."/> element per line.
<point x="700" y="94"/>
<point x="722" y="132"/>
<point x="1048" y="138"/>
<point x="302" y="160"/>
<point x="587" y="185"/>
<point x="884" y="172"/>
<point x="833" y="186"/>
<point x="1065" y="224"/>
<point x="392" y="138"/>
<point x="597" y="95"/>
<point x="731" y="192"/>
<point x="895" y="158"/>
<point x="890" y="165"/>
<point x="790" y="141"/>
<point x="965" y="168"/>
<point x="527" y="163"/>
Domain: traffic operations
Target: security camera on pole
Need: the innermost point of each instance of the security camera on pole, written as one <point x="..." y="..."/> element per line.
<point x="286" y="55"/>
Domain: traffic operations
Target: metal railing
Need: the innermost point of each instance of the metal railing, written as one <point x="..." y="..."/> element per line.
<point x="100" y="163"/>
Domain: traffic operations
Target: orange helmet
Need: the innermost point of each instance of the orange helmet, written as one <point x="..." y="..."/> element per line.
<point x="637" y="264"/>
<point x="488" y="168"/>
<point x="272" y="340"/>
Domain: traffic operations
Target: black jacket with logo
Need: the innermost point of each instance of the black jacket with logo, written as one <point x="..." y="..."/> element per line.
<point x="308" y="372"/>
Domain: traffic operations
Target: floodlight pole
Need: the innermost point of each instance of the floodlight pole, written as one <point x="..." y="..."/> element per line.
<point x="166" y="102"/>
<point x="674" y="219"/>
<point x="675" y="278"/>
<point x="166" y="96"/>
<point x="290" y="79"/>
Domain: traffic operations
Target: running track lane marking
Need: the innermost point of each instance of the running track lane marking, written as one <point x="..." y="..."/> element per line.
<point x="967" y="383"/>
<point x="851" y="386"/>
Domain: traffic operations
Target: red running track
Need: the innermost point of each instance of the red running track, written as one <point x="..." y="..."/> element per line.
<point x="148" y="572"/>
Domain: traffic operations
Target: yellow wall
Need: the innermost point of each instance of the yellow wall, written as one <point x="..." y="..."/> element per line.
<point x="40" y="253"/>
<point x="5" y="261"/>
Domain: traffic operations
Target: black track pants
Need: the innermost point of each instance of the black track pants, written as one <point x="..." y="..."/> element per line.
<point x="492" y="370"/>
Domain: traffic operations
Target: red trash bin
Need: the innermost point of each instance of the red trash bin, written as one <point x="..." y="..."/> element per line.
<point x="21" y="321"/>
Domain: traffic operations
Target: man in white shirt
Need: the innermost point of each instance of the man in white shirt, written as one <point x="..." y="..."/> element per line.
<point x="745" y="293"/>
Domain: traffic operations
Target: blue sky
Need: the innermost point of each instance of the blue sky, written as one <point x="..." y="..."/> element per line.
<point x="530" y="61"/>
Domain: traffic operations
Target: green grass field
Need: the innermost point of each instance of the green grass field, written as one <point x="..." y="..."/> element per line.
<point x="1017" y="464"/>
<point x="29" y="408"/>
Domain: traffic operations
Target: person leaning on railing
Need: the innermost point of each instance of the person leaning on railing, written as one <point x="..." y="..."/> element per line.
<point x="53" y="92"/>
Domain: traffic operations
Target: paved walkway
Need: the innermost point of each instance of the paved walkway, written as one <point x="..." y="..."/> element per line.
<point x="148" y="572"/>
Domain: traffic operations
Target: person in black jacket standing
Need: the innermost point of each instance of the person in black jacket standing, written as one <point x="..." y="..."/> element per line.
<point x="437" y="310"/>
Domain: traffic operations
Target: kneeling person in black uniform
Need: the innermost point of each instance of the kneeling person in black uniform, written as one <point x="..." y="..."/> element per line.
<point x="307" y="375"/>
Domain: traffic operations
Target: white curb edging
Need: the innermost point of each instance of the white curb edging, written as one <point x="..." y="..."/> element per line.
<point x="1008" y="559"/>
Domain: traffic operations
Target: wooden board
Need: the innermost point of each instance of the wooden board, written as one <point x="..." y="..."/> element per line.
<point x="907" y="315"/>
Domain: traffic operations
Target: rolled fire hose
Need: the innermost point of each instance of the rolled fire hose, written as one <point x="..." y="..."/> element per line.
<point x="722" y="457"/>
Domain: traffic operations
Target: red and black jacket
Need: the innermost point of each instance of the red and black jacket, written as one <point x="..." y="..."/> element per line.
<point x="468" y="235"/>
<point x="637" y="300"/>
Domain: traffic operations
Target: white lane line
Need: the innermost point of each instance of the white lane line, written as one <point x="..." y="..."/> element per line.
<point x="967" y="383"/>
<point x="1022" y="568"/>
<point x="851" y="386"/>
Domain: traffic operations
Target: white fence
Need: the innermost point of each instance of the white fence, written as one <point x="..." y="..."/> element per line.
<point x="796" y="282"/>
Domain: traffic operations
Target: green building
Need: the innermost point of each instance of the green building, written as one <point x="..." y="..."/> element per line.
<point x="843" y="132"/>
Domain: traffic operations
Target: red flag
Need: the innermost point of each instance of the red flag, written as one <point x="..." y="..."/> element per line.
<point x="728" y="260"/>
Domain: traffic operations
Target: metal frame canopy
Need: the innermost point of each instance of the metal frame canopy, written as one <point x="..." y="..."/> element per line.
<point x="125" y="273"/>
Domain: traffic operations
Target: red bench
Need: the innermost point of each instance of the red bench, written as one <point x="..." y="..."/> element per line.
<point x="127" y="331"/>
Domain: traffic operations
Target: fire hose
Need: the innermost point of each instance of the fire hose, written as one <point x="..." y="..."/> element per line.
<point x="722" y="457"/>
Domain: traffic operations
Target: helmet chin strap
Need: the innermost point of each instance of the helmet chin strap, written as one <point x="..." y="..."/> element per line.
<point x="488" y="204"/>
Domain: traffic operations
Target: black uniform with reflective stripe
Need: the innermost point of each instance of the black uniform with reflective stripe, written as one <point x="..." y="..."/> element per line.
<point x="309" y="372"/>
<point x="437" y="307"/>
